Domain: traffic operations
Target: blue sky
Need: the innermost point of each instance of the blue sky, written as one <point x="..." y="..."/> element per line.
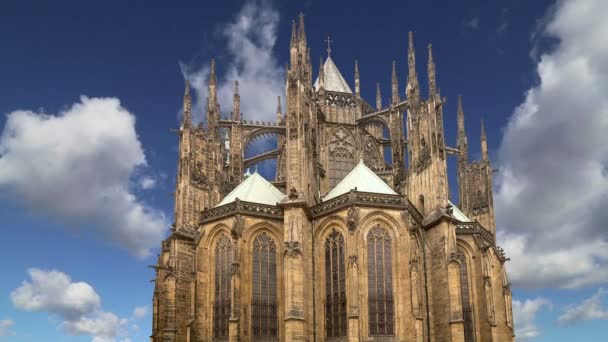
<point x="85" y="181"/>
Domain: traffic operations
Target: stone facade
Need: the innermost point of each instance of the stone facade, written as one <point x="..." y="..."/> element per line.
<point x="357" y="267"/>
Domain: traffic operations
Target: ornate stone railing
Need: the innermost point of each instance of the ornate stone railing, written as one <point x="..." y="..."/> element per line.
<point x="474" y="228"/>
<point x="242" y="207"/>
<point x="358" y="198"/>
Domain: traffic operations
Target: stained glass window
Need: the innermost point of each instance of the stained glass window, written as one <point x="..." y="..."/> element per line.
<point x="335" y="286"/>
<point x="264" y="317"/>
<point x="467" y="313"/>
<point x="380" y="283"/>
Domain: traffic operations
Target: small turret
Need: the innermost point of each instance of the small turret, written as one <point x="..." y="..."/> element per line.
<point x="412" y="91"/>
<point x="431" y="74"/>
<point x="484" y="143"/>
<point x="357" y="84"/>
<point x="279" y="111"/>
<point x="395" y="85"/>
<point x="236" y="113"/>
<point x="378" y="97"/>
<point x="187" y="118"/>
<point x="321" y="74"/>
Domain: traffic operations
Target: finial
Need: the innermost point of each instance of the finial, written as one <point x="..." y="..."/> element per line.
<point x="329" y="41"/>
<point x="395" y="84"/>
<point x="236" y="87"/>
<point x="411" y="41"/>
<point x="357" y="84"/>
<point x="431" y="74"/>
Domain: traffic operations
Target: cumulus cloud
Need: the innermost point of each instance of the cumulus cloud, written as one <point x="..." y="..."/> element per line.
<point x="590" y="308"/>
<point x="76" y="167"/>
<point x="5" y="327"/>
<point x="75" y="303"/>
<point x="552" y="188"/>
<point x="250" y="38"/>
<point x="524" y="315"/>
<point x="140" y="312"/>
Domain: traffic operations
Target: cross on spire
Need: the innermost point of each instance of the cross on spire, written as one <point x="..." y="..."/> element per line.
<point x="328" y="41"/>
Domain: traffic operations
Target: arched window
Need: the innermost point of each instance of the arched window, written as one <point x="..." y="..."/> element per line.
<point x="221" y="305"/>
<point x="264" y="317"/>
<point x="341" y="155"/>
<point x="467" y="312"/>
<point x="335" y="286"/>
<point x="380" y="283"/>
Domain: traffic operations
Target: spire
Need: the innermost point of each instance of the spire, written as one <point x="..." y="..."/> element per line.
<point x="187" y="119"/>
<point x="301" y="31"/>
<point x="321" y="74"/>
<point x="279" y="111"/>
<point x="431" y="74"/>
<point x="484" y="143"/>
<point x="236" y="112"/>
<point x="395" y="84"/>
<point x="212" y="86"/>
<point x="294" y="37"/>
<point x="357" y="86"/>
<point x="378" y="97"/>
<point x="462" y="135"/>
<point x="412" y="90"/>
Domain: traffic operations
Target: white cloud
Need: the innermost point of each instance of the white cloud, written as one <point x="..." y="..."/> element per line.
<point x="250" y="38"/>
<point x="147" y="182"/>
<point x="140" y="312"/>
<point x="524" y="314"/>
<point x="76" y="166"/>
<point x="552" y="188"/>
<point x="75" y="303"/>
<point x="54" y="292"/>
<point x="5" y="327"/>
<point x="590" y="308"/>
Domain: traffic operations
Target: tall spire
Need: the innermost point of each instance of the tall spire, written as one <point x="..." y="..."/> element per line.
<point x="395" y="84"/>
<point x="236" y="109"/>
<point x="462" y="135"/>
<point x="484" y="143"/>
<point x="187" y="119"/>
<point x="378" y="97"/>
<point x="357" y="86"/>
<point x="431" y="74"/>
<point x="301" y="31"/>
<point x="321" y="74"/>
<point x="412" y="90"/>
<point x="294" y="37"/>
<point x="279" y="111"/>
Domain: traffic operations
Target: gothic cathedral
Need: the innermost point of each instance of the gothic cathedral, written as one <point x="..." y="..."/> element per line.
<point x="355" y="239"/>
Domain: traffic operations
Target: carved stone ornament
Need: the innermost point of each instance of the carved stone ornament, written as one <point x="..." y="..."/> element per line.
<point x="292" y="249"/>
<point x="352" y="218"/>
<point x="237" y="227"/>
<point x="293" y="126"/>
<point x="370" y="153"/>
<point x="293" y="193"/>
<point x="341" y="144"/>
<point x="352" y="261"/>
<point x="235" y="269"/>
<point x="198" y="177"/>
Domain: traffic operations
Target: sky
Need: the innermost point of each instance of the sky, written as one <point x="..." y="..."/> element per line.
<point x="89" y="93"/>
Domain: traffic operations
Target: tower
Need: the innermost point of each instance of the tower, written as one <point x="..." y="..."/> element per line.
<point x="427" y="178"/>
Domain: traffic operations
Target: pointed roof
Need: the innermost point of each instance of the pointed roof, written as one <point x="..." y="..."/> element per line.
<point x="333" y="78"/>
<point x="254" y="189"/>
<point x="362" y="179"/>
<point x="458" y="214"/>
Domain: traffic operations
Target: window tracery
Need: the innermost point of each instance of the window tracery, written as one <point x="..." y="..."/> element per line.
<point x="380" y="282"/>
<point x="335" y="286"/>
<point x="222" y="302"/>
<point x="264" y="306"/>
